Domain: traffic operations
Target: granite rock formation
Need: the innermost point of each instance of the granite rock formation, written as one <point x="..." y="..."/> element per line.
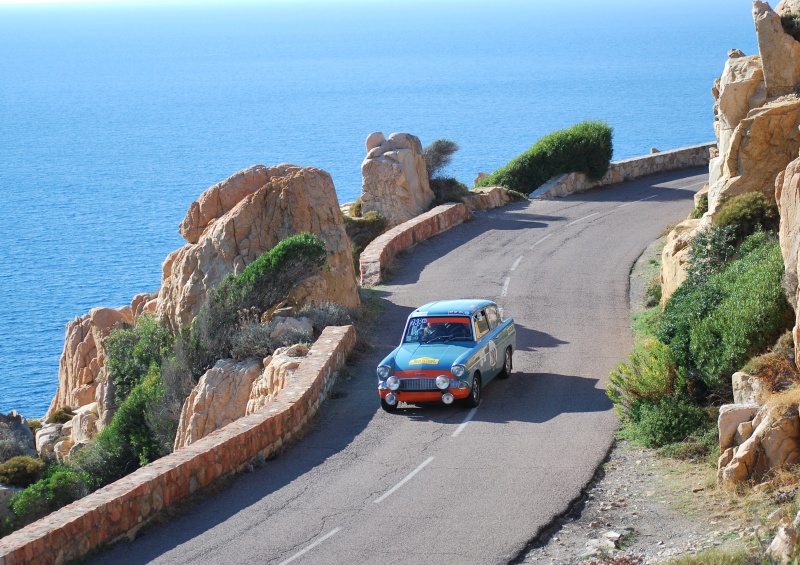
<point x="395" y="179"/>
<point x="278" y="370"/>
<point x="234" y="222"/>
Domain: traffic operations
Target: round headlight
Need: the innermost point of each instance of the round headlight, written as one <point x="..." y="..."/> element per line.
<point x="392" y="383"/>
<point x="384" y="371"/>
<point x="458" y="370"/>
<point x="442" y="382"/>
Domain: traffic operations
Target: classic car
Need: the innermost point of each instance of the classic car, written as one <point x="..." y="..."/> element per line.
<point x="449" y="351"/>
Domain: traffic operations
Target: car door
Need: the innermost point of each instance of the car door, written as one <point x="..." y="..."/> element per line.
<point x="484" y="345"/>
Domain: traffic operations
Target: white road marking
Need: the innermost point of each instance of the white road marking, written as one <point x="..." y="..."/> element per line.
<point x="404" y="481"/>
<point x="516" y="263"/>
<point x="580" y="220"/>
<point x="635" y="201"/>
<point x="312" y="546"/>
<point x="465" y="422"/>
<point x="541" y="240"/>
<point x="505" y="286"/>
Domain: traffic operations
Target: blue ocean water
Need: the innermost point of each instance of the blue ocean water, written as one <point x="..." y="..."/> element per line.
<point x="113" y="118"/>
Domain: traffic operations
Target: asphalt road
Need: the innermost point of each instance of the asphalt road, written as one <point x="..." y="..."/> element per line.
<point x="435" y="484"/>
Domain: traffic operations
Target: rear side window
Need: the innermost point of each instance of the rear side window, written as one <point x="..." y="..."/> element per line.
<point x="481" y="325"/>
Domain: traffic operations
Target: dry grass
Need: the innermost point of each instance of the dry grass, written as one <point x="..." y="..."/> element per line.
<point x="780" y="403"/>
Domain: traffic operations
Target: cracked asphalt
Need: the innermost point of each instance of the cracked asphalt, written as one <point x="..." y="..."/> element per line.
<point x="364" y="486"/>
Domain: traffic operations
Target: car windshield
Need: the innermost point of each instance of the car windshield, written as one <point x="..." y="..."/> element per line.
<point x="437" y="329"/>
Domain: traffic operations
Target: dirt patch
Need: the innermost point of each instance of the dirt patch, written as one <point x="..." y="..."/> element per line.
<point x="648" y="508"/>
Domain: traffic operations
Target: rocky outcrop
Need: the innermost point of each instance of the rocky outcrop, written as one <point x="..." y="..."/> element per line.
<point x="395" y="180"/>
<point x="219" y="398"/>
<point x="16" y="425"/>
<point x="786" y="7"/>
<point x="278" y="369"/>
<point x="762" y="145"/>
<point x="485" y="198"/>
<point x="787" y="194"/>
<point x="46" y="437"/>
<point x="782" y="66"/>
<point x="82" y="361"/>
<point x="675" y="257"/>
<point x="226" y="234"/>
<point x="768" y="442"/>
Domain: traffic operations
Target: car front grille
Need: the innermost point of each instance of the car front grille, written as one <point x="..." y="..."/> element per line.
<point x="418" y="384"/>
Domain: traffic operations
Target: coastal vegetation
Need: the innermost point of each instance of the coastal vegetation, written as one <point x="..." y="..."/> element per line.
<point x="152" y="371"/>
<point x="585" y="148"/>
<point x="728" y="314"/>
<point x="438" y="156"/>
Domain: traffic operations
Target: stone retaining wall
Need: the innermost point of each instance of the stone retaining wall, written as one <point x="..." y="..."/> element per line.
<point x="383" y="249"/>
<point x="121" y="508"/>
<point x="628" y="169"/>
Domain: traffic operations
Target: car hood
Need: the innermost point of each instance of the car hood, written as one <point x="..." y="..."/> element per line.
<point x="430" y="355"/>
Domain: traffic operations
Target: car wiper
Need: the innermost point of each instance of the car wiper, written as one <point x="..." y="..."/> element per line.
<point x="461" y="338"/>
<point x="437" y="338"/>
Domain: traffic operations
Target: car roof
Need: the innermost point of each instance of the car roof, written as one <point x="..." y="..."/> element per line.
<point x="464" y="307"/>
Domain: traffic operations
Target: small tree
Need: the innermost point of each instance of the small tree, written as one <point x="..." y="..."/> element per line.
<point x="438" y="155"/>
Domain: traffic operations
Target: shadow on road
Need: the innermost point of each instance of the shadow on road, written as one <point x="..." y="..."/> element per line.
<point x="531" y="340"/>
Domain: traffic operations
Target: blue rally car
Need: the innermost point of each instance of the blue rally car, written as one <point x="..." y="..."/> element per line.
<point x="450" y="350"/>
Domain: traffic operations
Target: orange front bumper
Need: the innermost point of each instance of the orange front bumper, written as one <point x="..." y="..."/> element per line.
<point x="425" y="396"/>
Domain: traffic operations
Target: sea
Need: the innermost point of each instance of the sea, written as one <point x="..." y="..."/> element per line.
<point x="114" y="117"/>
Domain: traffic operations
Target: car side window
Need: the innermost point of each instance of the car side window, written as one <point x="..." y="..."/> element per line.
<point x="491" y="314"/>
<point x="481" y="325"/>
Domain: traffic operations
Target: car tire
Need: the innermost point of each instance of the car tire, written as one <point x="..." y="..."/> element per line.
<point x="474" y="398"/>
<point x="508" y="365"/>
<point x="388" y="407"/>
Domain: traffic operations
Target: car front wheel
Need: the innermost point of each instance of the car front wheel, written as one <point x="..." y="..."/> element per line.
<point x="474" y="397"/>
<point x="388" y="407"/>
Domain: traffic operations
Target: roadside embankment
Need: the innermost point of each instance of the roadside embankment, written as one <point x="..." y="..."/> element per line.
<point x="123" y="507"/>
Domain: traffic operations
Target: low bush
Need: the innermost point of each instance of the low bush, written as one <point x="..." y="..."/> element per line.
<point x="585" y="148"/>
<point x="715" y="327"/>
<point x="21" y="471"/>
<point x="34" y="425"/>
<point x="438" y="155"/>
<point x="59" y="486"/>
<point x="327" y="314"/>
<point x="61" y="416"/>
<point x="252" y="340"/>
<point x="711" y="249"/>
<point x="699" y="446"/>
<point x="516" y="196"/>
<point x="791" y="25"/>
<point x="130" y="353"/>
<point x="652" y="292"/>
<point x="448" y="189"/>
<point x="669" y="420"/>
<point x="747" y="213"/>
<point x="356" y="209"/>
<point x="650" y="375"/>
<point x="261" y="285"/>
<point x="362" y="230"/>
<point x="701" y="208"/>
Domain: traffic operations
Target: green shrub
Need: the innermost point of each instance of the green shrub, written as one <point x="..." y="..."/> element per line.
<point x="447" y="189"/>
<point x="361" y="231"/>
<point x="791" y="25"/>
<point x="701" y="208"/>
<point x="438" y="156"/>
<point x="264" y="282"/>
<point x="652" y="292"/>
<point x="516" y="196"/>
<point x="34" y="425"/>
<point x="21" y="471"/>
<point x="130" y="352"/>
<point x="715" y="327"/>
<point x="670" y="420"/>
<point x="356" y="209"/>
<point x="650" y="375"/>
<point x="711" y="249"/>
<point x="59" y="486"/>
<point x="61" y="416"/>
<point x="128" y="442"/>
<point x="585" y="148"/>
<point x="747" y="213"/>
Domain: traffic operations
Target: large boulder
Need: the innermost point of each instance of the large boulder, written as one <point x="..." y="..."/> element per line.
<point x="787" y="194"/>
<point x="740" y="89"/>
<point x="82" y="363"/>
<point x="786" y="7"/>
<point x="762" y="145"/>
<point x="675" y="257"/>
<point x="16" y="424"/>
<point x="780" y="52"/>
<point x="219" y="398"/>
<point x="395" y="179"/>
<point x="278" y="370"/>
<point x="274" y="203"/>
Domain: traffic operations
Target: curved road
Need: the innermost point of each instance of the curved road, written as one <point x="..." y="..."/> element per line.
<point x="449" y="485"/>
